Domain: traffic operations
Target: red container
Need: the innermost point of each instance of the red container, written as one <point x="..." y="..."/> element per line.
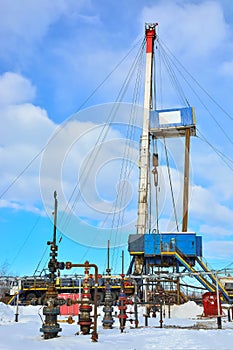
<point x="210" y="304"/>
<point x="72" y="310"/>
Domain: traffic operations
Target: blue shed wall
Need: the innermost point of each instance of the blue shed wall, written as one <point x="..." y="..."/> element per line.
<point x="153" y="244"/>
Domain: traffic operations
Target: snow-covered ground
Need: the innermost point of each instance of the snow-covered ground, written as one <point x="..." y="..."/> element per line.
<point x="177" y="332"/>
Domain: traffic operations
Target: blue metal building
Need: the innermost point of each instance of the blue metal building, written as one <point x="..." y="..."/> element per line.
<point x="162" y="249"/>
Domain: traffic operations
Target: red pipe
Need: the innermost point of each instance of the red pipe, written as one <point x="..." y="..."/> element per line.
<point x="69" y="265"/>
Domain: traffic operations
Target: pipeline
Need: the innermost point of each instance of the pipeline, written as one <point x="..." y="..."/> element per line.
<point x="85" y="308"/>
<point x="122" y="305"/>
<point x="108" y="309"/>
<point x="85" y="302"/>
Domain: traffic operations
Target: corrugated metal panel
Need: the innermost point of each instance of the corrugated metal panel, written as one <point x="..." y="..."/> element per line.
<point x="136" y="243"/>
<point x="170" y="242"/>
<point x="186" y="244"/>
<point x="199" y="246"/>
<point x="152" y="244"/>
<point x="72" y="310"/>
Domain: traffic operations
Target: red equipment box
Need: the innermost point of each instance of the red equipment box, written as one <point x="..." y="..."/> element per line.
<point x="210" y="304"/>
<point x="72" y="310"/>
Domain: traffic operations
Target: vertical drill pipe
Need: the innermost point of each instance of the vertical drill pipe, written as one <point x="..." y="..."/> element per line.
<point x="69" y="265"/>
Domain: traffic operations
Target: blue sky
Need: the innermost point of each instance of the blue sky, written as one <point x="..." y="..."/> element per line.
<point x="53" y="55"/>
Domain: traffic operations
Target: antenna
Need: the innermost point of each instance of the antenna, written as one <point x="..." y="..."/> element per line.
<point x="122" y="261"/>
<point x="108" y="270"/>
<point x="55" y="219"/>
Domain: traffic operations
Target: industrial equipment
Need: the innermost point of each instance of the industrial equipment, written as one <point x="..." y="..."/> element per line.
<point x="152" y="250"/>
<point x="50" y="327"/>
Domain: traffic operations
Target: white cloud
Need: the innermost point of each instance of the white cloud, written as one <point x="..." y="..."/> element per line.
<point x="194" y="29"/>
<point x="89" y="155"/>
<point x="211" y="192"/>
<point x="24" y="132"/>
<point x="191" y="28"/>
<point x="214" y="230"/>
<point x="23" y="24"/>
<point x="14" y="89"/>
<point x="206" y="208"/>
<point x="218" y="250"/>
<point x="27" y="129"/>
<point x="26" y="123"/>
<point x="29" y="20"/>
<point x="212" y="171"/>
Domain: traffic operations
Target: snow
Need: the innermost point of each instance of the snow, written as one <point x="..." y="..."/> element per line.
<point x="189" y="309"/>
<point x="6" y="313"/>
<point x="177" y="332"/>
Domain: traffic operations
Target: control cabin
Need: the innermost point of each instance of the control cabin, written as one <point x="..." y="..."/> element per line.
<point x="161" y="249"/>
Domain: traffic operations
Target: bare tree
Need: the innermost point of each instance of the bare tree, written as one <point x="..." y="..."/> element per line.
<point x="5" y="280"/>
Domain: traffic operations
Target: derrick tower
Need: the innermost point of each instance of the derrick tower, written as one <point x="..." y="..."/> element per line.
<point x="160" y="249"/>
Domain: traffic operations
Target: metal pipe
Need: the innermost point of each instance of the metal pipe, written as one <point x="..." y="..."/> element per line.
<point x="55" y="218"/>
<point x="181" y="274"/>
<point x="136" y="313"/>
<point x="17" y="309"/>
<point x="219" y="318"/>
<point x="186" y="181"/>
<point x="69" y="265"/>
<point x="122" y="306"/>
<point x="161" y="313"/>
<point x="229" y="315"/>
<point x="122" y="261"/>
<point x="169" y="308"/>
<point x="108" y="264"/>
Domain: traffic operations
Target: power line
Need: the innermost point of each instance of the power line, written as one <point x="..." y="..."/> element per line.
<point x="221" y="155"/>
<point x="129" y="137"/>
<point x="25" y="241"/>
<point x="198" y="97"/>
<point x="199" y="85"/>
<point x="65" y="122"/>
<point x="170" y="182"/>
<point x="102" y="136"/>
